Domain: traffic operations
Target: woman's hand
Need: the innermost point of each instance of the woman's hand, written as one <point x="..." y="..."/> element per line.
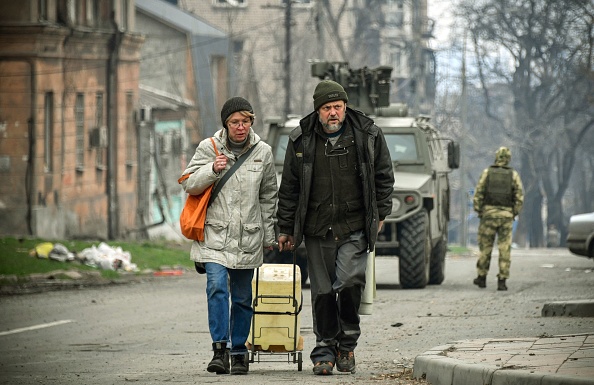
<point x="219" y="164"/>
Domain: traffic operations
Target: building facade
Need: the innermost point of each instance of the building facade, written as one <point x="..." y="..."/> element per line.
<point x="183" y="85"/>
<point x="69" y="73"/>
<point x="273" y="56"/>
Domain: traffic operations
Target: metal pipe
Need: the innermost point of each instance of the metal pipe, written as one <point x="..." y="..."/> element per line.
<point x="370" y="286"/>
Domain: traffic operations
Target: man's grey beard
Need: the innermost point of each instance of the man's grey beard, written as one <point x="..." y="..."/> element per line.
<point x="330" y="128"/>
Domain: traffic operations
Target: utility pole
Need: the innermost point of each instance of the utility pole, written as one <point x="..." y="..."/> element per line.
<point x="115" y="43"/>
<point x="416" y="69"/>
<point x="320" y="30"/>
<point x="463" y="117"/>
<point x="288" y="58"/>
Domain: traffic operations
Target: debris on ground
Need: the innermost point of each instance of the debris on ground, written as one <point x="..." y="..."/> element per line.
<point x="108" y="258"/>
<point x="102" y="257"/>
<point x="405" y="377"/>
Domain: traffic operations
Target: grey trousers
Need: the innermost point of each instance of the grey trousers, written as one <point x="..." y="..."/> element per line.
<point x="337" y="277"/>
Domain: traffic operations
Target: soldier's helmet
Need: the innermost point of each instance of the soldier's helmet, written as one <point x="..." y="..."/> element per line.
<point x="502" y="155"/>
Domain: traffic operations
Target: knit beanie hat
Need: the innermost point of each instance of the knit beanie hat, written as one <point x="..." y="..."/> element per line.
<point x="328" y="91"/>
<point x="232" y="105"/>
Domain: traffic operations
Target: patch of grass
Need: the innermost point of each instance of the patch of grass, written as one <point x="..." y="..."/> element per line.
<point x="457" y="249"/>
<point x="110" y="274"/>
<point x="16" y="260"/>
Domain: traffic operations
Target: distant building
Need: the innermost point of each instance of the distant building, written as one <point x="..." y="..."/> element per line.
<point x="183" y="85"/>
<point x="69" y="74"/>
<point x="392" y="33"/>
<point x="92" y="92"/>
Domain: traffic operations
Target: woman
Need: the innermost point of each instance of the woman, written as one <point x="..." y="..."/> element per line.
<point x="239" y="224"/>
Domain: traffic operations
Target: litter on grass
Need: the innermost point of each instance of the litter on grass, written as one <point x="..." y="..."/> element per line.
<point x="108" y="258"/>
<point x="102" y="257"/>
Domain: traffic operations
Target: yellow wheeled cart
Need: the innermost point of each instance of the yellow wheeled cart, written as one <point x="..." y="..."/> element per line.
<point x="277" y="301"/>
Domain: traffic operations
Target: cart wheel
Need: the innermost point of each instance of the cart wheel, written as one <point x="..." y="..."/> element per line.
<point x="299" y="361"/>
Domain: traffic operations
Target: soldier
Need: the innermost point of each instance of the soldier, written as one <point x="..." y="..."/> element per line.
<point x="498" y="198"/>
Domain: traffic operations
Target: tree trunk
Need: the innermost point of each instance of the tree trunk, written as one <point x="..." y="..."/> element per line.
<point x="532" y="211"/>
<point x="555" y="217"/>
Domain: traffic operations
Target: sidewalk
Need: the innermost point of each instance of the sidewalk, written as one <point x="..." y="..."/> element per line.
<point x="546" y="360"/>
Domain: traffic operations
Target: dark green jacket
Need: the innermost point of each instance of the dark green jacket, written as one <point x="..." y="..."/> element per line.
<point x="374" y="162"/>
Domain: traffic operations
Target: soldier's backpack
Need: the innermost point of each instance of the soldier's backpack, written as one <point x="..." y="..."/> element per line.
<point x="498" y="189"/>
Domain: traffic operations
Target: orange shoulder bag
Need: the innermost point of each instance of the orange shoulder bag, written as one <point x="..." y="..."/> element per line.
<point x="193" y="215"/>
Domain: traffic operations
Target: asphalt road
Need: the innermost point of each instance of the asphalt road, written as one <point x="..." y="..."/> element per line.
<point x="156" y="331"/>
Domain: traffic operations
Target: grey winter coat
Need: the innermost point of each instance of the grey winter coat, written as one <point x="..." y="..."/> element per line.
<point x="374" y="162"/>
<point x="240" y="221"/>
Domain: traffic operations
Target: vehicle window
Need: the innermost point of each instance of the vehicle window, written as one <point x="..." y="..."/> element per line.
<point x="279" y="152"/>
<point x="432" y="151"/>
<point x="437" y="152"/>
<point x="402" y="147"/>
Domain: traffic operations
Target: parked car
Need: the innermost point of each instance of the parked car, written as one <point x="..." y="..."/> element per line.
<point x="580" y="235"/>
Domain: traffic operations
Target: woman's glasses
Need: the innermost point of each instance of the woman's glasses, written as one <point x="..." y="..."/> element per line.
<point x="247" y="123"/>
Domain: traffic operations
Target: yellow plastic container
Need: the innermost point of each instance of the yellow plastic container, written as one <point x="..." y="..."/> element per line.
<point x="276" y="332"/>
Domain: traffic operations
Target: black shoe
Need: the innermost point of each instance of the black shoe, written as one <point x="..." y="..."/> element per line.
<point x="323" y="368"/>
<point x="220" y="360"/>
<point x="501" y="284"/>
<point x="345" y="361"/>
<point x="481" y="281"/>
<point x="239" y="364"/>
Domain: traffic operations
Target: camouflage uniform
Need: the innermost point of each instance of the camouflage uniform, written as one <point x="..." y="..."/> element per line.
<point x="497" y="219"/>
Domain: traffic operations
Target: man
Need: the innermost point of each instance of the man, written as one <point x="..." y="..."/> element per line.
<point x="498" y="198"/>
<point x="335" y="192"/>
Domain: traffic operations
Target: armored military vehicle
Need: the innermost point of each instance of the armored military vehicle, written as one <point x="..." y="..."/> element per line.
<point x="416" y="231"/>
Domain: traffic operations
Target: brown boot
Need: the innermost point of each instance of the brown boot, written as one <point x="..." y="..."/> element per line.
<point x="481" y="281"/>
<point x="501" y="284"/>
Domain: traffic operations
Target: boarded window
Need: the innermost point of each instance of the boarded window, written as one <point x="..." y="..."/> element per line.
<point x="231" y="3"/>
<point x="124" y="6"/>
<point x="130" y="131"/>
<point x="48" y="131"/>
<point x="99" y="125"/>
<point x="79" y="118"/>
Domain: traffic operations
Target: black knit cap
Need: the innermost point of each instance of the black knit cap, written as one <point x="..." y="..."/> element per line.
<point x="328" y="91"/>
<point x="232" y="105"/>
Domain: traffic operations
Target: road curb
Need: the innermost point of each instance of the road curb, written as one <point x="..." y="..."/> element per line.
<point x="578" y="308"/>
<point x="53" y="281"/>
<point x="57" y="285"/>
<point x="438" y="369"/>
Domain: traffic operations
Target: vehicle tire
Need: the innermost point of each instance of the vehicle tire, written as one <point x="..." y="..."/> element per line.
<point x="415" y="251"/>
<point x="437" y="269"/>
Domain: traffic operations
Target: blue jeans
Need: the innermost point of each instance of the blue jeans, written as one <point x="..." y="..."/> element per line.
<point x="222" y="283"/>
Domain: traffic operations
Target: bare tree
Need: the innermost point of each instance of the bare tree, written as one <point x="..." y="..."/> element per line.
<point x="542" y="51"/>
<point x="361" y="46"/>
<point x="333" y="19"/>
